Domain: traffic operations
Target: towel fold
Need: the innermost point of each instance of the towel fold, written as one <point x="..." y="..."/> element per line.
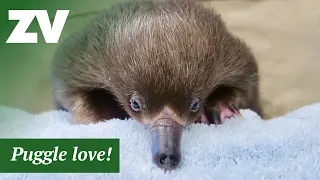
<point x="286" y="147"/>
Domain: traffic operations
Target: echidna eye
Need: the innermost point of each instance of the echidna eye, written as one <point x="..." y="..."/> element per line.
<point x="135" y="104"/>
<point x="195" y="105"/>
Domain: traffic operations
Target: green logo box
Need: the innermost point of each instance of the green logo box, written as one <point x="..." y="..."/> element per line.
<point x="59" y="156"/>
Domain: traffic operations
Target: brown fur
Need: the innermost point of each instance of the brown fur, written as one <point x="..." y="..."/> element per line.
<point x="168" y="52"/>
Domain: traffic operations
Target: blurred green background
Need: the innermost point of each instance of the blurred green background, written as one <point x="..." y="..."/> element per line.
<point x="24" y="68"/>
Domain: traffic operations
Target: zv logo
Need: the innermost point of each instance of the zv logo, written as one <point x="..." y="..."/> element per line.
<point x="51" y="33"/>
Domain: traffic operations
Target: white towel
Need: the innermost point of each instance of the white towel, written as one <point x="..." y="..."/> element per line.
<point x="286" y="147"/>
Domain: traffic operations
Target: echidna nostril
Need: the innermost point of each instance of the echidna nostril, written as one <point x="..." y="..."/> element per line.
<point x="163" y="159"/>
<point x="168" y="161"/>
<point x="173" y="160"/>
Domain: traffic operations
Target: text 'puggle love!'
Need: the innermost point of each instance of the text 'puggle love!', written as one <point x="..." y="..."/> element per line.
<point x="47" y="157"/>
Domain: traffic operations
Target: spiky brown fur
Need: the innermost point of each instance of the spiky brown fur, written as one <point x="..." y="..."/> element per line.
<point x="168" y="52"/>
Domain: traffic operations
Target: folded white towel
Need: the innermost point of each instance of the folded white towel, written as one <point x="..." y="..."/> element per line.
<point x="286" y="147"/>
